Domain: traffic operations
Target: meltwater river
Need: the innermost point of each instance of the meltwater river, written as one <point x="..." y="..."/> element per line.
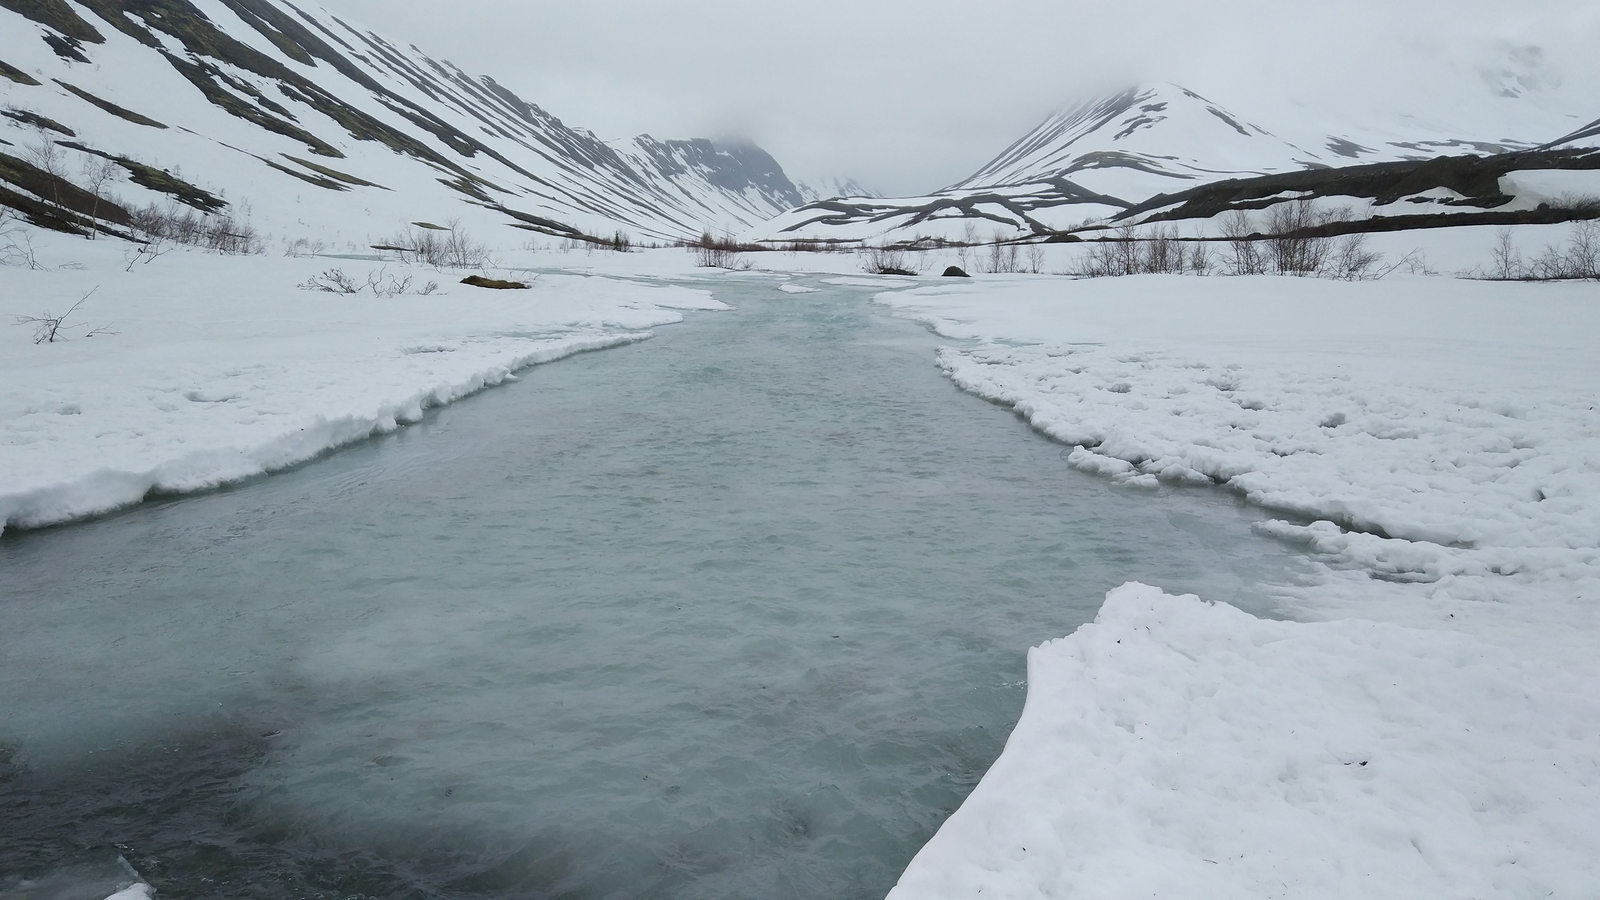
<point x="738" y="612"/>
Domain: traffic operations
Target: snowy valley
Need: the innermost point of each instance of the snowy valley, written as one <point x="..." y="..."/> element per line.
<point x="292" y="603"/>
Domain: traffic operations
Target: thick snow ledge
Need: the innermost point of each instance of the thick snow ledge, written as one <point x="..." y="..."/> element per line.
<point x="223" y="462"/>
<point x="1177" y="748"/>
<point x="219" y="369"/>
<point x="1443" y="439"/>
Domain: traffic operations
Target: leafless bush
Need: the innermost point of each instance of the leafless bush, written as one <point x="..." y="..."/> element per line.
<point x="379" y="283"/>
<point x="1161" y="252"/>
<point x="97" y="173"/>
<point x="1244" y="255"/>
<point x="1506" y="260"/>
<point x="219" y="232"/>
<point x="449" y="247"/>
<point x="1035" y="259"/>
<point x="621" y="242"/>
<point x="719" y="253"/>
<point x="1164" y="253"/>
<point x="1587" y="203"/>
<point x="1290" y="245"/>
<point x="50" y="328"/>
<point x="333" y="281"/>
<point x="969" y="239"/>
<point x="146" y="251"/>
<point x="1004" y="258"/>
<point x="1290" y="249"/>
<point x="887" y="261"/>
<point x="1350" y="260"/>
<point x="16" y="242"/>
<point x="1578" y="259"/>
<point x="302" y="247"/>
<point x="44" y="154"/>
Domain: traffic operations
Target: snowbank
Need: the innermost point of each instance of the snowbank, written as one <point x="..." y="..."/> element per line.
<point x="1427" y="723"/>
<point x="219" y="369"/>
<point x="1180" y="749"/>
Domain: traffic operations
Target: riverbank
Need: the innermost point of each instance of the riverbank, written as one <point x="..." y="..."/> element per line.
<point x="196" y="370"/>
<point x="1425" y="726"/>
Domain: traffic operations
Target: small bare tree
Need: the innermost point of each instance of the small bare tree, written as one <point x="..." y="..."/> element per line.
<point x="887" y="261"/>
<point x="380" y="283"/>
<point x="718" y="253"/>
<point x="1004" y="258"/>
<point x="46" y="156"/>
<point x="1507" y="264"/>
<point x="1244" y="254"/>
<point x="50" y="328"/>
<point x="1352" y="261"/>
<point x="16" y="243"/>
<point x="97" y="173"/>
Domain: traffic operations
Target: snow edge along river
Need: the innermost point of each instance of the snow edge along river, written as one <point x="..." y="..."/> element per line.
<point x="196" y="389"/>
<point x="1425" y="725"/>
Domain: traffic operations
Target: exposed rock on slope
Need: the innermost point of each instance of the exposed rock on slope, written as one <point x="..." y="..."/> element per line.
<point x="330" y="132"/>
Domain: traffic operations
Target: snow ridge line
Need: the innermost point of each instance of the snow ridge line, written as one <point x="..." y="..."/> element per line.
<point x="108" y="490"/>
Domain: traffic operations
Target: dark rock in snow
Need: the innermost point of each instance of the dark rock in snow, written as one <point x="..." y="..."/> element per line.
<point x="494" y="283"/>
<point x="955" y="272"/>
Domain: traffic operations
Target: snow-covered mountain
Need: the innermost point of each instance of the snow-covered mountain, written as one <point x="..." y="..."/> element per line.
<point x="1102" y="157"/>
<point x="830" y="188"/>
<point x="320" y="129"/>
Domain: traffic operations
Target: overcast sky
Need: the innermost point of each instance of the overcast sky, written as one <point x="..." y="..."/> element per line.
<point x="911" y="95"/>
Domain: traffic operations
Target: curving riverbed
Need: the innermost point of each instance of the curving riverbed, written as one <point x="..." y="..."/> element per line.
<point x="740" y="611"/>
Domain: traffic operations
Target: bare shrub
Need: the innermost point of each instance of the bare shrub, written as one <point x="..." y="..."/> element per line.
<point x="448" y="247"/>
<point x="219" y="232"/>
<point x="1161" y="252"/>
<point x="44" y="154"/>
<point x="1291" y="245"/>
<point x="719" y="253"/>
<point x="969" y="240"/>
<point x="379" y="283"/>
<point x="1004" y="258"/>
<point x="1035" y="259"/>
<point x="1290" y="248"/>
<point x="1584" y="203"/>
<point x="887" y="261"/>
<point x="1583" y="249"/>
<point x="97" y="173"/>
<point x="146" y="251"/>
<point x="1579" y="258"/>
<point x="1244" y="255"/>
<point x="1350" y="260"/>
<point x="303" y="247"/>
<point x="1506" y="262"/>
<point x="50" y="328"/>
<point x="16" y="242"/>
<point x="333" y="281"/>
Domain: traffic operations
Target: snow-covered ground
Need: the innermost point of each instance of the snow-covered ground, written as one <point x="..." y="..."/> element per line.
<point x="1426" y="720"/>
<point x="1422" y="722"/>
<point x="218" y="368"/>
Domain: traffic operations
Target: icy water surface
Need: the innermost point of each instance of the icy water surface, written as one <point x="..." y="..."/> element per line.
<point x="738" y="612"/>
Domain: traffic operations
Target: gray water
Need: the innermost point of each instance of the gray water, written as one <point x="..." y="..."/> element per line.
<point x="738" y="612"/>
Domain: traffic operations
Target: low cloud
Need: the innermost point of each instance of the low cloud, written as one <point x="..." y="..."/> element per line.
<point x="911" y="96"/>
